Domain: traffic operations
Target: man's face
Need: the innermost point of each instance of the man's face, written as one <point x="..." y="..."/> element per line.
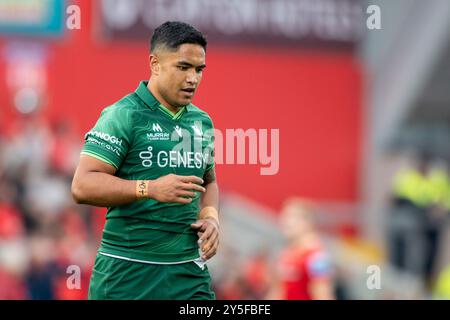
<point x="178" y="73"/>
<point x="294" y="222"/>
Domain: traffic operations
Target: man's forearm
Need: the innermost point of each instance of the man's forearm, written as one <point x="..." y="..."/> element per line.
<point x="103" y="190"/>
<point x="209" y="202"/>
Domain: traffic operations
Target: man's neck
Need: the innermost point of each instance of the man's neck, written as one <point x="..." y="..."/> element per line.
<point x="152" y="88"/>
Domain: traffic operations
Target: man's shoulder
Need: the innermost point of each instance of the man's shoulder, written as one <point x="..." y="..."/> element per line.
<point x="126" y="104"/>
<point x="200" y="113"/>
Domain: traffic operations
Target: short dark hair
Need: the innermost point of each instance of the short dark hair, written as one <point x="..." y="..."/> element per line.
<point x="172" y="34"/>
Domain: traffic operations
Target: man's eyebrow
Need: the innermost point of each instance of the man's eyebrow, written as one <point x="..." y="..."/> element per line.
<point x="187" y="64"/>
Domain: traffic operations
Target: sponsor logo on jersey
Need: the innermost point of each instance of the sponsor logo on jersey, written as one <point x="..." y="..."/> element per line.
<point x="157" y="133"/>
<point x="156" y="127"/>
<point x="174" y="159"/>
<point x="105" y="137"/>
<point x="104" y="145"/>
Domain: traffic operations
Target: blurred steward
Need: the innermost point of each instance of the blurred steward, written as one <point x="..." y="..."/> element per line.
<point x="304" y="269"/>
<point x="442" y="288"/>
<point x="421" y="199"/>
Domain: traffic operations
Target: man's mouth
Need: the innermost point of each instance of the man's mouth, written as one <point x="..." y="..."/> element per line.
<point x="188" y="92"/>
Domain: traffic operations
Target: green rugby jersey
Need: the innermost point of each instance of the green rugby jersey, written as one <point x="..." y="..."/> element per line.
<point x="144" y="141"/>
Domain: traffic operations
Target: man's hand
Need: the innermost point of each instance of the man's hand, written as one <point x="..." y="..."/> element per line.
<point x="174" y="188"/>
<point x="208" y="233"/>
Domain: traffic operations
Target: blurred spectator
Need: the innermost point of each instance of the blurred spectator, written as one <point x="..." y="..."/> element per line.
<point x="42" y="232"/>
<point x="304" y="268"/>
<point x="442" y="287"/>
<point x="13" y="255"/>
<point x="28" y="147"/>
<point x="42" y="270"/>
<point x="257" y="275"/>
<point x="64" y="153"/>
<point x="12" y="286"/>
<point x="241" y="277"/>
<point x="228" y="283"/>
<point x="419" y="207"/>
<point x="233" y="287"/>
<point x="11" y="223"/>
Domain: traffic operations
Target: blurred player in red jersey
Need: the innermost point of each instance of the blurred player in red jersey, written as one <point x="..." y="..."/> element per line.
<point x="303" y="269"/>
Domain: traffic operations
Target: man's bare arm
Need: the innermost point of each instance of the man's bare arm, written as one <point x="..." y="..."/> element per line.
<point x="211" y="196"/>
<point x="94" y="183"/>
<point x="207" y="224"/>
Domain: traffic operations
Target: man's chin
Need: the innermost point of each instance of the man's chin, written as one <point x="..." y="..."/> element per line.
<point x="184" y="102"/>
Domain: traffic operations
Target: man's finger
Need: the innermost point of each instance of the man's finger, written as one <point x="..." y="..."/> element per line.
<point x="193" y="179"/>
<point x="211" y="252"/>
<point x="192" y="186"/>
<point x="207" y="233"/>
<point x="199" y="225"/>
<point x="208" y="242"/>
<point x="182" y="200"/>
<point x="207" y="254"/>
<point x="184" y="193"/>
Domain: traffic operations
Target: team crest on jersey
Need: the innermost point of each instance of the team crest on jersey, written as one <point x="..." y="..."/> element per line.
<point x="197" y="130"/>
<point x="178" y="131"/>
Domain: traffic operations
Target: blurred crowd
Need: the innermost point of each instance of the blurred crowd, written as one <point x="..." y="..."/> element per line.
<point x="42" y="231"/>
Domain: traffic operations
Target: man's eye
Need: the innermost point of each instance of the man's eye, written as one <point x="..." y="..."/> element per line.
<point x="182" y="68"/>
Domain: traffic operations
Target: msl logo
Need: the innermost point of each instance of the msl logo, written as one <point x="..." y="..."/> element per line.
<point x="175" y="159"/>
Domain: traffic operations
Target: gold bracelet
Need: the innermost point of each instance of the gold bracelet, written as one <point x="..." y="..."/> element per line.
<point x="141" y="189"/>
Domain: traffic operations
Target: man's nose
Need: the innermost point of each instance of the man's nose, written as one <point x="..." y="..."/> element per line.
<point x="192" y="78"/>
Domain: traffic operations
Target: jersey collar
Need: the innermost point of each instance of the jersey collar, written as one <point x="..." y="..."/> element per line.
<point x="149" y="99"/>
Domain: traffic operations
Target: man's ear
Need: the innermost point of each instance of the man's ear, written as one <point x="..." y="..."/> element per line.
<point x="154" y="64"/>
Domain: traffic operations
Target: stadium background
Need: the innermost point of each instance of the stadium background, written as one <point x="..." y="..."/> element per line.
<point x="353" y="107"/>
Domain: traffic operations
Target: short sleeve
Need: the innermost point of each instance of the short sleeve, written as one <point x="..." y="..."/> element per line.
<point x="109" y="140"/>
